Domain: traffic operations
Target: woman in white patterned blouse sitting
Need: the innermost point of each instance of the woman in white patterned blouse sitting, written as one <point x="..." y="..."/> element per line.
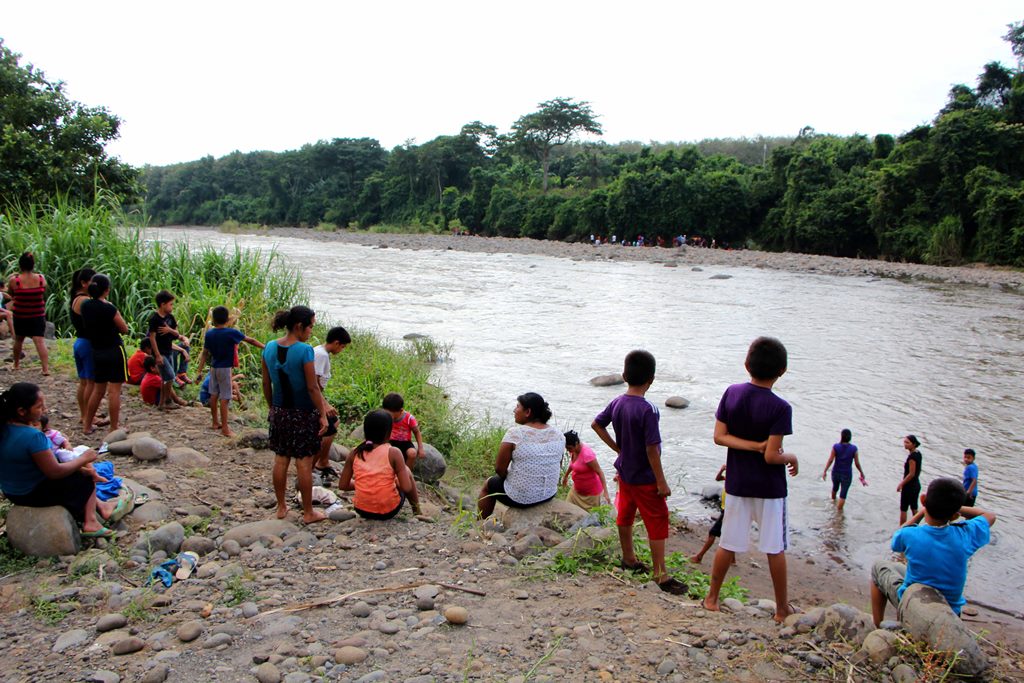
<point x="529" y="460"/>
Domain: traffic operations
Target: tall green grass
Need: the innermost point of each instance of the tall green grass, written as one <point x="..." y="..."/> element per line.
<point x="65" y="238"/>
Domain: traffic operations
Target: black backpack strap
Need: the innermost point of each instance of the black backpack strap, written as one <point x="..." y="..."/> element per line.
<point x="287" y="392"/>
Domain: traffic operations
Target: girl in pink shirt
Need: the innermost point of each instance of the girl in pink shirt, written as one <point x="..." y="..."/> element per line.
<point x="588" y="482"/>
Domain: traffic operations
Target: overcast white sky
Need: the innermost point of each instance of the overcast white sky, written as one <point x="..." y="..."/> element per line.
<point x="195" y="78"/>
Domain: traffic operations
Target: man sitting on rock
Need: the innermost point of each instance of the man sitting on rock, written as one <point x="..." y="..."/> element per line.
<point x="936" y="551"/>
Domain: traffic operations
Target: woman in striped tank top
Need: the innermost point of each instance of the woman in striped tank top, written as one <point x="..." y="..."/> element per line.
<point x="28" y="289"/>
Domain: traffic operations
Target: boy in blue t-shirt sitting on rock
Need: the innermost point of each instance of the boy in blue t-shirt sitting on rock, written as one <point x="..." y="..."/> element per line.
<point x="936" y="551"/>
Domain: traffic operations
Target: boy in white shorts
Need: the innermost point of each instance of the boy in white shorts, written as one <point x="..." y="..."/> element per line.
<point x="751" y="422"/>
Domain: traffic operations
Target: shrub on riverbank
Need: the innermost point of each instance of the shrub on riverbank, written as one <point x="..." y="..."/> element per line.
<point x="371" y="367"/>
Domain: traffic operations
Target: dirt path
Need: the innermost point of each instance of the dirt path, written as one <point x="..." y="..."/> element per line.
<point x="230" y="620"/>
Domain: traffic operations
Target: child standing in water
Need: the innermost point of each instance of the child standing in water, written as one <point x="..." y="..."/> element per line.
<point x="909" y="487"/>
<point x="844" y="454"/>
<point x="970" y="477"/>
<point x="588" y="482"/>
<point x="377" y="472"/>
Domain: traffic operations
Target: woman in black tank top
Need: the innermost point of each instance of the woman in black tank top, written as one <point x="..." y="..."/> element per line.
<point x="103" y="325"/>
<point x="82" y="349"/>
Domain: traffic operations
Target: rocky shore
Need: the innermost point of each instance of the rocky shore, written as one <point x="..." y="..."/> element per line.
<point x="435" y="598"/>
<point x="976" y="274"/>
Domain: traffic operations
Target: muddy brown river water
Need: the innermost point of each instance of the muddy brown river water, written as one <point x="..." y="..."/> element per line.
<point x="882" y="357"/>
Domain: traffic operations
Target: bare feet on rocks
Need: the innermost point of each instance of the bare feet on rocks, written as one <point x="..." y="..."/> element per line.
<point x="314" y="517"/>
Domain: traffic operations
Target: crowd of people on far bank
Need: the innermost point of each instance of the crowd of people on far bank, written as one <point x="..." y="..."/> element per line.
<point x="680" y="240"/>
<point x="751" y="423"/>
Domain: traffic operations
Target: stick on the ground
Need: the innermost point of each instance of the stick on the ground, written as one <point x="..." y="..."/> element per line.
<point x="472" y="591"/>
<point x="677" y="642"/>
<point x="325" y="602"/>
<point x="207" y="504"/>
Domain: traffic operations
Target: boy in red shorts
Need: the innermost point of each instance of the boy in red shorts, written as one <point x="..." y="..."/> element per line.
<point x="642" y="485"/>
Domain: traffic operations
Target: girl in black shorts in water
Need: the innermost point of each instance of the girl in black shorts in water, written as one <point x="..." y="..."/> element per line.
<point x="910" y="486"/>
<point x="103" y="325"/>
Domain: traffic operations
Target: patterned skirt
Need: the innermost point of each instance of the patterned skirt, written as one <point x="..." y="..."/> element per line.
<point x="294" y="432"/>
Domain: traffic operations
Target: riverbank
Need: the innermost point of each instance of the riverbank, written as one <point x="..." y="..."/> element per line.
<point x="230" y="620"/>
<point x="977" y="274"/>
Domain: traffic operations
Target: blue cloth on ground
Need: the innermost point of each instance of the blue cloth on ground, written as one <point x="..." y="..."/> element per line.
<point x="164" y="573"/>
<point x="112" y="486"/>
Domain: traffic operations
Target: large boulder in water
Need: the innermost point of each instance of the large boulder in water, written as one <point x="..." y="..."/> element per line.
<point x="677" y="402"/>
<point x="927" y="616"/>
<point x="607" y="380"/>
<point x="43" y="532"/>
<point x="431" y="467"/>
<point x="712" y="492"/>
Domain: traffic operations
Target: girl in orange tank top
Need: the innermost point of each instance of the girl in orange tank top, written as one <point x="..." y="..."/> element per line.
<point x="377" y="472"/>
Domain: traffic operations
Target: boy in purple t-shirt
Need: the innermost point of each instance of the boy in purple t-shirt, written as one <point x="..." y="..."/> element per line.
<point x="751" y="422"/>
<point x="642" y="484"/>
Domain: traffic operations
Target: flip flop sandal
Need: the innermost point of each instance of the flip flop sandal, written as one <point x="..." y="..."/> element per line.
<point x="637" y="566"/>
<point x="674" y="586"/>
<point x="102" y="532"/>
<point x="141" y="499"/>
<point x="125" y="504"/>
<point x="187" y="562"/>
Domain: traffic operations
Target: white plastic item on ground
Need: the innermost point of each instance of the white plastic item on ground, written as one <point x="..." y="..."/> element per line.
<point x="321" y="496"/>
<point x="64" y="455"/>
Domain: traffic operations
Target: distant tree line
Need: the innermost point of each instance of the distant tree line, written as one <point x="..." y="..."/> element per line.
<point x="946" y="192"/>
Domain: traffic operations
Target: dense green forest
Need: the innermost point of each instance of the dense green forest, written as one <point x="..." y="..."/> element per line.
<point x="946" y="192"/>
